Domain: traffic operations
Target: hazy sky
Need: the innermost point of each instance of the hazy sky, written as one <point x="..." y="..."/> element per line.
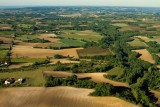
<point x="146" y="3"/>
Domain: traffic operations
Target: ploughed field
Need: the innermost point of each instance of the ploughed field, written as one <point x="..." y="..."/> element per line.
<point x="27" y="51"/>
<point x="56" y="97"/>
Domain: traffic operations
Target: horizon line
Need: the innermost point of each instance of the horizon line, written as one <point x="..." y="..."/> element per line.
<point x="24" y="6"/>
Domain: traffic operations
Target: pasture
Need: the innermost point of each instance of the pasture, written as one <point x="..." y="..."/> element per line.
<point x="145" y="55"/>
<point x="35" y="78"/>
<point x="137" y="42"/>
<point x="3" y="54"/>
<point x="86" y="35"/>
<point x="71" y="42"/>
<point x="57" y="97"/>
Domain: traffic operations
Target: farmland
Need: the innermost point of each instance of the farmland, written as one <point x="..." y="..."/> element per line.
<point x="145" y="55"/>
<point x="44" y="97"/>
<point x="147" y="39"/>
<point x="27" y="51"/>
<point x="137" y="42"/>
<point x="86" y="35"/>
<point x="93" y="52"/>
<point x="96" y="77"/>
<point x="80" y="56"/>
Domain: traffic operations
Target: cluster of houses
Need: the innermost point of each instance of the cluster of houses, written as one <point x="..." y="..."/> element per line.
<point x="12" y="80"/>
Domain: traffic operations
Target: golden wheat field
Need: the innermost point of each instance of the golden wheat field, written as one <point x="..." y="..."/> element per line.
<point x="145" y="55"/>
<point x="56" y="97"/>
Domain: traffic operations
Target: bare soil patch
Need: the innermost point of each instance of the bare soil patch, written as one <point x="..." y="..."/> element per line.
<point x="56" y="97"/>
<point x="145" y="55"/>
<point x="6" y="40"/>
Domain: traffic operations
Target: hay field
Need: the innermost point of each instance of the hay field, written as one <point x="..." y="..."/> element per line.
<point x="137" y="42"/>
<point x="145" y="55"/>
<point x="56" y="97"/>
<point x="27" y="51"/>
<point x="96" y="77"/>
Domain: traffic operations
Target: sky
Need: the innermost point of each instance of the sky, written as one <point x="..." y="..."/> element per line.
<point x="139" y="3"/>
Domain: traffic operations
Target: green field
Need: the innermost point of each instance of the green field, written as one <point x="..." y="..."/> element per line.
<point x="6" y="32"/>
<point x="93" y="52"/>
<point x="82" y="35"/>
<point x="115" y="71"/>
<point x="35" y="76"/>
<point x="120" y="24"/>
<point x="71" y="42"/>
<point x="27" y="60"/>
<point x="3" y="54"/>
<point x="137" y="42"/>
<point x="26" y="37"/>
<point x="5" y="47"/>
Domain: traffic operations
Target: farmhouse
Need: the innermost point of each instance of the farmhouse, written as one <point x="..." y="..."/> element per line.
<point x="20" y="80"/>
<point x="9" y="81"/>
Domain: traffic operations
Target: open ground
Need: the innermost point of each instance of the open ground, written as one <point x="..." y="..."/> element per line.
<point x="145" y="55"/>
<point x="56" y="97"/>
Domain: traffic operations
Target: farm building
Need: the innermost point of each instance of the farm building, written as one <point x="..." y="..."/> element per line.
<point x="9" y="81"/>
